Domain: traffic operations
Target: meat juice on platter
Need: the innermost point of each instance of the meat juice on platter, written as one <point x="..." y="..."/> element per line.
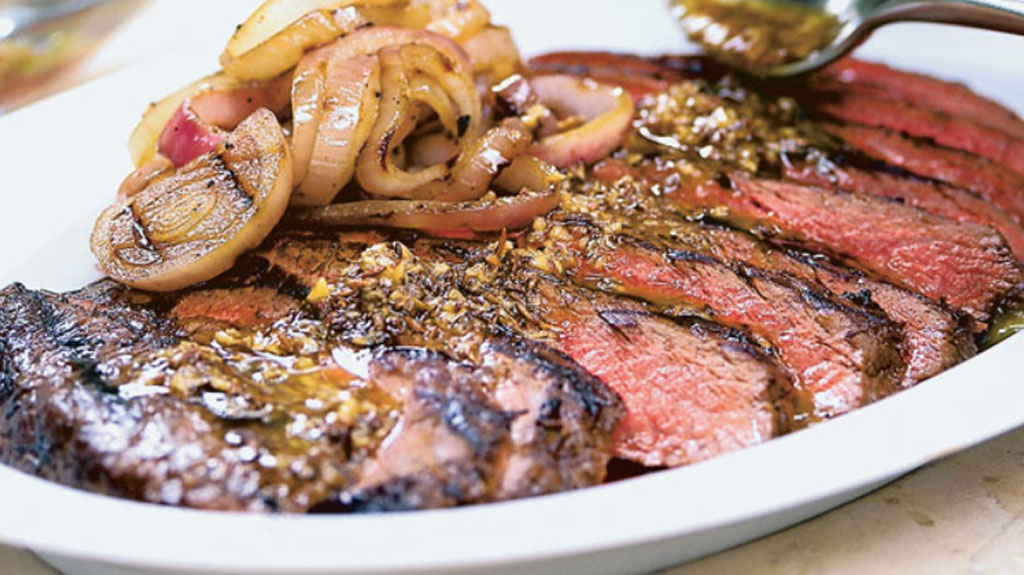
<point x="380" y="263"/>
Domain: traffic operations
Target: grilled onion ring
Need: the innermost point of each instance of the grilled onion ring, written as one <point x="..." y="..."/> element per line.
<point x="191" y="226"/>
<point x="334" y="104"/>
<point x="338" y="106"/>
<point x="475" y="170"/>
<point x="276" y="36"/>
<point x="607" y="110"/>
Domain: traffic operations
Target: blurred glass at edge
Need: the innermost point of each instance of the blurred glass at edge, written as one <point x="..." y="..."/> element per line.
<point x="41" y="40"/>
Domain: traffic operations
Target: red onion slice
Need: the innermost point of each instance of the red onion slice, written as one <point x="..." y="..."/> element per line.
<point x="504" y="213"/>
<point x="608" y="111"/>
<point x="201" y="121"/>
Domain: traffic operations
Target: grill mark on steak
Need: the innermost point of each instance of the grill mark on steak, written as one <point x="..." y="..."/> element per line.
<point x="845" y="357"/>
<point x="931" y="196"/>
<point x="692" y="390"/>
<point x="732" y="394"/>
<point x="935" y="336"/>
<point x="73" y="432"/>
<point x="547" y="427"/>
<point x="966" y="265"/>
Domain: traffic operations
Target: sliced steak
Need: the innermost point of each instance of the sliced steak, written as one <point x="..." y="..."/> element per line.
<point x="528" y="423"/>
<point x="939" y="127"/>
<point x="936" y="337"/>
<point x="997" y="184"/>
<point x="869" y="78"/>
<point x="843" y="356"/>
<point x="239" y="307"/>
<point x="64" y="420"/>
<point x="193" y="400"/>
<point x="692" y="390"/>
<point x="966" y="265"/>
<point x="640" y="76"/>
<point x="931" y="196"/>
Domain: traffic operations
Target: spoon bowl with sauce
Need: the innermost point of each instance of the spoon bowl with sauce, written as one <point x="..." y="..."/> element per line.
<point x="790" y="37"/>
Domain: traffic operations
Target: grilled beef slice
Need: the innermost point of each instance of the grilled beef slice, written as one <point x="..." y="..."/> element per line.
<point x="842" y="355"/>
<point x="692" y="390"/>
<point x="208" y="400"/>
<point x="965" y="265"/>
<point x="934" y="197"/>
<point x="939" y="127"/>
<point x="935" y="337"/>
<point x="991" y="181"/>
<point x="528" y="423"/>
<point x="869" y="78"/>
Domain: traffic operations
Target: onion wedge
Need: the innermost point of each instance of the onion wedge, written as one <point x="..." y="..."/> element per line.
<point x="607" y="111"/>
<point x="504" y="213"/>
<point x="216" y="100"/>
<point x="191" y="226"/>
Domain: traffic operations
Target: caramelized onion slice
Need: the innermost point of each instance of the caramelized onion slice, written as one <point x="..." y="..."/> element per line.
<point x="142" y="143"/>
<point x="494" y="215"/>
<point x="455" y="19"/>
<point x="415" y="77"/>
<point x="474" y="171"/>
<point x="191" y="226"/>
<point x="342" y="97"/>
<point x="493" y="54"/>
<point x="276" y="36"/>
<point x="607" y="112"/>
<point x="527" y="173"/>
<point x="334" y="105"/>
<point x="216" y="101"/>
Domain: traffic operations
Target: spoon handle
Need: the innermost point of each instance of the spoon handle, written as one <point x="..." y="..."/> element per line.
<point x="999" y="15"/>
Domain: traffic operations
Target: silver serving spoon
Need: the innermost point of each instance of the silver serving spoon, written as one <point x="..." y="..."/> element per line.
<point x="859" y="17"/>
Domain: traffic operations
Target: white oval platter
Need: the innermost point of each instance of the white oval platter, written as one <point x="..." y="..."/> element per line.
<point x="61" y="159"/>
